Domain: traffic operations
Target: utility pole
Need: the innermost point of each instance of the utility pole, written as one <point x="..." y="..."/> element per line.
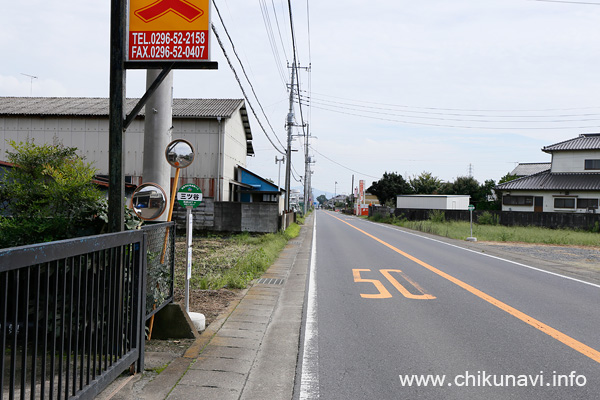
<point x="157" y="133"/>
<point x="334" y="195"/>
<point x="307" y="172"/>
<point x="290" y="125"/>
<point x="278" y="162"/>
<point x="352" y="194"/>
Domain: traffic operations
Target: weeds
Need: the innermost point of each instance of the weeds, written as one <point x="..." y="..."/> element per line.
<point x="437" y="216"/>
<point x="493" y="232"/>
<point x="487" y="218"/>
<point x="235" y="261"/>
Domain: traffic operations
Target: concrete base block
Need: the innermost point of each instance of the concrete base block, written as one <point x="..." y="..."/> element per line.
<point x="199" y="321"/>
<point x="172" y="322"/>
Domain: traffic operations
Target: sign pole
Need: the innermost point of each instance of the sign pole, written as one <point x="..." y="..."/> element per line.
<point x="471" y="238"/>
<point x="471" y="219"/>
<point x="189" y="196"/>
<point x="116" y="187"/>
<point x="188" y="232"/>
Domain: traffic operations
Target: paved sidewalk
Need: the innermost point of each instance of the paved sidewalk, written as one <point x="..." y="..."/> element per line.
<point x="251" y="351"/>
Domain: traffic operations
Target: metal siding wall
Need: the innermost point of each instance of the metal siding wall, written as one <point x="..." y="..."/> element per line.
<point x="2" y="139"/>
<point x="235" y="150"/>
<point x="9" y="132"/>
<point x="204" y="137"/>
<point x="90" y="136"/>
<point x="134" y="149"/>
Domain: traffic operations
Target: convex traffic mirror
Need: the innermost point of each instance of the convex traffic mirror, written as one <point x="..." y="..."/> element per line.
<point x="149" y="201"/>
<point x="179" y="153"/>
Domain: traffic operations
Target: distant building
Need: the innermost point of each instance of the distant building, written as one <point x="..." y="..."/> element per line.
<point x="570" y="184"/>
<point x="433" y="201"/>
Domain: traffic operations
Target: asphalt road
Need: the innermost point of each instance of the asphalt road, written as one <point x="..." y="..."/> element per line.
<point x="385" y="307"/>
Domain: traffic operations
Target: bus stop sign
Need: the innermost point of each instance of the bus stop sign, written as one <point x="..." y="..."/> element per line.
<point x="189" y="195"/>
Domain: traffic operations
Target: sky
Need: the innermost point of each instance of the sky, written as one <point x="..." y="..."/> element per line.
<point x="447" y="87"/>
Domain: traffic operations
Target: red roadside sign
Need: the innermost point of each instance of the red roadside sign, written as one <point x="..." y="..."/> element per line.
<point x="168" y="30"/>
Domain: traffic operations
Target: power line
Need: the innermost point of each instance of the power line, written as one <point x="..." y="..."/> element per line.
<point x="243" y="70"/>
<point x="244" y="91"/>
<point x="362" y="101"/>
<point x="440" y="125"/>
<point x="343" y="166"/>
<point x="299" y="180"/>
<point x="279" y="30"/>
<point x="311" y="99"/>
<point x="428" y="117"/>
<point x="569" y="2"/>
<point x="274" y="49"/>
<point x="308" y="29"/>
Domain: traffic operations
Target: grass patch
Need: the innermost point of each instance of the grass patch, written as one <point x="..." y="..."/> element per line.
<point x="234" y="261"/>
<point x="498" y="233"/>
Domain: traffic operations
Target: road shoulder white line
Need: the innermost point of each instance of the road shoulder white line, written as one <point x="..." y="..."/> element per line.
<point x="309" y="379"/>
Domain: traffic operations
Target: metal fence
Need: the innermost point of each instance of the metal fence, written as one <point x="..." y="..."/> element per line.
<point x="71" y="315"/>
<point x="160" y="250"/>
<point x="585" y="221"/>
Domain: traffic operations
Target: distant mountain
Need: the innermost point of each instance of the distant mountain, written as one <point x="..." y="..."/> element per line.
<point x="316" y="192"/>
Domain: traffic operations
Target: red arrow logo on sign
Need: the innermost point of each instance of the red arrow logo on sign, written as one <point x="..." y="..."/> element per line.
<point x="159" y="8"/>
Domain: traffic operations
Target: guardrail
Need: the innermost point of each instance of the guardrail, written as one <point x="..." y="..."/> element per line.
<point x="71" y="315"/>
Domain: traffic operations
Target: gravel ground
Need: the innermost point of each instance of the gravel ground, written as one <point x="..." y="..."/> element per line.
<point x="575" y="261"/>
<point x="573" y="255"/>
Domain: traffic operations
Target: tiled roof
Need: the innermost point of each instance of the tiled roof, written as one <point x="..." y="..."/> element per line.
<point x="96" y="106"/>
<point x="587" y="141"/>
<point x="526" y="169"/>
<point x="548" y="181"/>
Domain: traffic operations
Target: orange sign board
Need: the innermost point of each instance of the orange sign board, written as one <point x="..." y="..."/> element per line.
<point x="361" y="191"/>
<point x="168" y="30"/>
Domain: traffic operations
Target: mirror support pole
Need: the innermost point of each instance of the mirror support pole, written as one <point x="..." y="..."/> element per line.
<point x="171" y="206"/>
<point x="173" y="194"/>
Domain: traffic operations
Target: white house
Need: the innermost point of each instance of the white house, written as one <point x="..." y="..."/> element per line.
<point x="571" y="184"/>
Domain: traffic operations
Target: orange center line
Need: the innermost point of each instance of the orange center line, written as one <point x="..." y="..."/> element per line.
<point x="561" y="337"/>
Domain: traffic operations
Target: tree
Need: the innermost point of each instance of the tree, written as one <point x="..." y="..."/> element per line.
<point x="482" y="195"/>
<point x="507" y="178"/>
<point x="487" y="199"/>
<point x="486" y="190"/>
<point x="389" y="186"/>
<point x="322" y="199"/>
<point x="465" y="185"/>
<point x="49" y="195"/>
<point x="425" y="183"/>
